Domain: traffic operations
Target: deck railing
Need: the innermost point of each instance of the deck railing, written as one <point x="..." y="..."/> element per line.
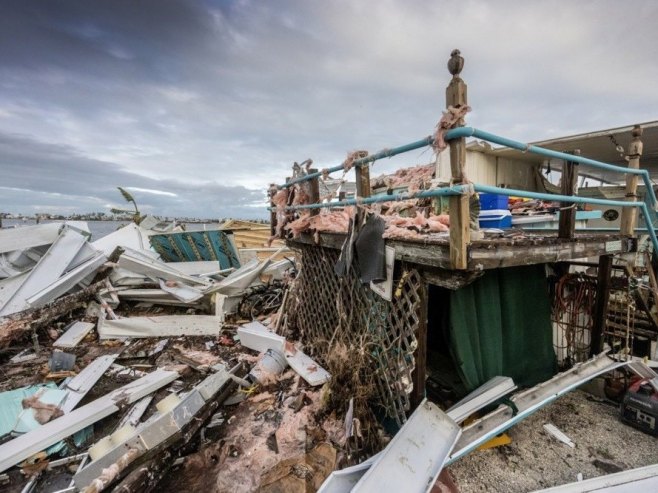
<point x="467" y="188"/>
<point x="453" y="119"/>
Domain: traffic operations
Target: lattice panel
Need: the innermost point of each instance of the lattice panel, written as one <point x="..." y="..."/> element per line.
<point x="326" y="309"/>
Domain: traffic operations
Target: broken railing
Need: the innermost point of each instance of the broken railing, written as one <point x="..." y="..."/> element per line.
<point x="364" y="196"/>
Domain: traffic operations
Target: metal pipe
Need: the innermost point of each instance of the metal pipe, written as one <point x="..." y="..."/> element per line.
<point x="435" y="192"/>
<point x="364" y="160"/>
<point x="456" y="133"/>
<point x="459" y="189"/>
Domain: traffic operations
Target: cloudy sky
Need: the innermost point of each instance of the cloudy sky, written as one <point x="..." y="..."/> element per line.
<point x="197" y="106"/>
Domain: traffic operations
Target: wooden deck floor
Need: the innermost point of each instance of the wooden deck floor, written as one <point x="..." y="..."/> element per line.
<point x="512" y="248"/>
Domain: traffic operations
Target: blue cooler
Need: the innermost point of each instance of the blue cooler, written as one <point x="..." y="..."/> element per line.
<point x="497" y="218"/>
<point x="492" y="201"/>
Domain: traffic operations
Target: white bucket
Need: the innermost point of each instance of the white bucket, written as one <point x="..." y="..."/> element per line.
<point x="270" y="364"/>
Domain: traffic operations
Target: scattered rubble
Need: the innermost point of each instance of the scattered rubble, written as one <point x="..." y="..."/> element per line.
<point x="137" y="373"/>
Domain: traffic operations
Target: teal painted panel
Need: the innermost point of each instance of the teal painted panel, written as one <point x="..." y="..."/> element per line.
<point x="11" y="407"/>
<point x="190" y="246"/>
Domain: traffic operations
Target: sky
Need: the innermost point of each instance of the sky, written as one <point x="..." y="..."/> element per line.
<point x="196" y="106"/>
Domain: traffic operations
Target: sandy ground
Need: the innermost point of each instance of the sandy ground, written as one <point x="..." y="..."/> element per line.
<point x="535" y="460"/>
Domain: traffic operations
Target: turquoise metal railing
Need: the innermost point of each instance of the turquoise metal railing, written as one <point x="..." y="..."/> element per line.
<point x="459" y="189"/>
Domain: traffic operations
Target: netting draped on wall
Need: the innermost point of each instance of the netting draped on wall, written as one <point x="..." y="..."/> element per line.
<point x="328" y="310"/>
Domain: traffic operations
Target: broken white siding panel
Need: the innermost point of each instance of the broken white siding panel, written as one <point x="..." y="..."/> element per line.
<point x="529" y="401"/>
<point x="123" y="277"/>
<point x="12" y="239"/>
<point x="412" y="461"/>
<point x="84" y="381"/>
<point x="19" y="449"/>
<point x="488" y="393"/>
<point x="343" y="481"/>
<point x="226" y="305"/>
<point x="164" y="326"/>
<point x="144" y="294"/>
<point x="7" y="269"/>
<point x="48" y="270"/>
<point x="308" y="369"/>
<point x="67" y="281"/>
<point x="210" y="385"/>
<point x="256" y="336"/>
<point x="9" y="286"/>
<point x="141" y="263"/>
<point x="73" y="334"/>
<point x="181" y="291"/>
<point x="136" y="412"/>
<point x="247" y="275"/>
<point x="85" y="253"/>
<point x="642" y="479"/>
<point x="198" y="267"/>
<point x="159" y="427"/>
<point x="130" y="236"/>
<point x="164" y="426"/>
<point x="153" y="296"/>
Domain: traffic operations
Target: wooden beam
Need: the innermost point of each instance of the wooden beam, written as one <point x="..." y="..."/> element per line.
<point x="451" y="279"/>
<point x="362" y="180"/>
<point x="419" y="375"/>
<point x="652" y="276"/>
<point x="491" y="254"/>
<point x="629" y="214"/>
<point x="460" y="231"/>
<point x="314" y="192"/>
<point x="569" y="186"/>
<point x="601" y="304"/>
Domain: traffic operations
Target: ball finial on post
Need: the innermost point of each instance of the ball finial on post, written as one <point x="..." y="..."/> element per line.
<point x="456" y="63"/>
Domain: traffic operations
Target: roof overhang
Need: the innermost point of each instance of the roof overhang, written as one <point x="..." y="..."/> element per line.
<point x="600" y="146"/>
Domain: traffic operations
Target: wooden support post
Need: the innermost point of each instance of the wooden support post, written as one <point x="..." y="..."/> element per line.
<point x="460" y="231"/>
<point x="314" y="192"/>
<point x="569" y="186"/>
<point x="363" y="181"/>
<point x="272" y="213"/>
<point x="601" y="305"/>
<point x="629" y="214"/>
<point x="419" y="375"/>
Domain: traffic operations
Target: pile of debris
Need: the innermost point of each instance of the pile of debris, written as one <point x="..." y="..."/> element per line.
<point x="138" y="373"/>
<point x="115" y="359"/>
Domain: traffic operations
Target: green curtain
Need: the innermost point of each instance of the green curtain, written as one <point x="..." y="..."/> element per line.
<point x="501" y="325"/>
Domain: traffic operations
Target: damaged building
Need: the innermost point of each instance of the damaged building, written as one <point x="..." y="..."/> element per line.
<point x="425" y="330"/>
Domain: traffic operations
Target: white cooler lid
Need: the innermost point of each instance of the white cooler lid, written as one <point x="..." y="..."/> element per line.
<point x="495" y="214"/>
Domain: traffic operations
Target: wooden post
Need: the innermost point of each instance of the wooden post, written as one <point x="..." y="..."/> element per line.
<point x="569" y="186"/>
<point x="629" y="214"/>
<point x="460" y="232"/>
<point x="601" y="304"/>
<point x="314" y="189"/>
<point x="419" y="375"/>
<point x="362" y="180"/>
<point x="272" y="212"/>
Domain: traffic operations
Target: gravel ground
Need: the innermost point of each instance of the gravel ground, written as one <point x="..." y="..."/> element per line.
<point x="535" y="460"/>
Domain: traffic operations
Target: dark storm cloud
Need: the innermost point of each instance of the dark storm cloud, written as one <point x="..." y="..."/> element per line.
<point x="41" y="175"/>
<point x="191" y="93"/>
